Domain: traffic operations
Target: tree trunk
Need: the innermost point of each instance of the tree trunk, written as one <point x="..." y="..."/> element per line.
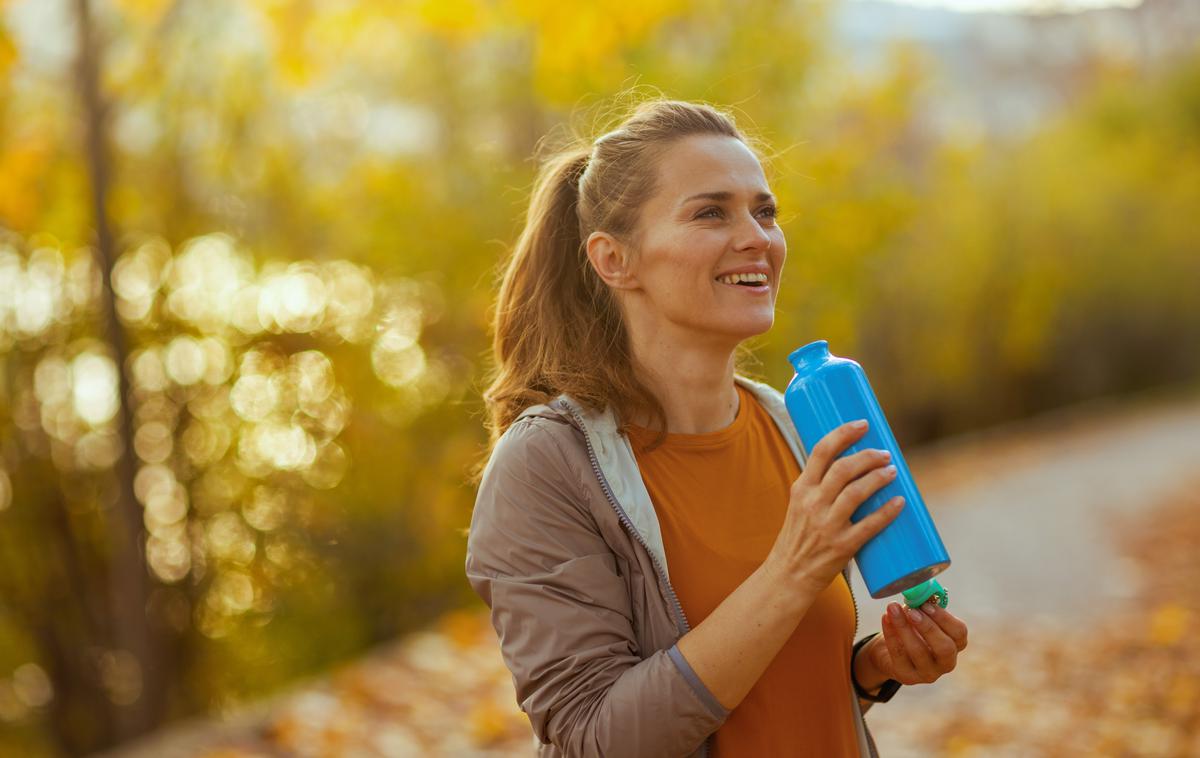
<point x="129" y="583"/>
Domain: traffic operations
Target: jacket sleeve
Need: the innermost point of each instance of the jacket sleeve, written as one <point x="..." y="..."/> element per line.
<point x="563" y="614"/>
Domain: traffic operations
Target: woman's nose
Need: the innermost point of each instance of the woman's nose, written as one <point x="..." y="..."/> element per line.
<point x="751" y="235"/>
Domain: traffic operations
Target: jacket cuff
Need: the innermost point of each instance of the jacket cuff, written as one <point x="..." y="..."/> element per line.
<point x="710" y="701"/>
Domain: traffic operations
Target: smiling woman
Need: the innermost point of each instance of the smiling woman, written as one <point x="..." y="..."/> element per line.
<point x="665" y="569"/>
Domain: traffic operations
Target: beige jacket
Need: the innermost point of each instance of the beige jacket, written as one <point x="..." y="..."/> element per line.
<point x="565" y="549"/>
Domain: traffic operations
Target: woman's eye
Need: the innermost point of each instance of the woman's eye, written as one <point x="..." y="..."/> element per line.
<point x="771" y="211"/>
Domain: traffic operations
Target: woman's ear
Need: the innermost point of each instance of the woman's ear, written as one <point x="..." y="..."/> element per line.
<point x="609" y="258"/>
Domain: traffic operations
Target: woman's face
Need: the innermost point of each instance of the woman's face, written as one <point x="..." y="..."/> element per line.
<point x="711" y="219"/>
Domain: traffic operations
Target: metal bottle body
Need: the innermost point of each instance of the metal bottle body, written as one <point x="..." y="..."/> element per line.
<point x="828" y="391"/>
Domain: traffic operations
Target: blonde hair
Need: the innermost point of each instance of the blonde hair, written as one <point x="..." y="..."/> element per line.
<point x="557" y="327"/>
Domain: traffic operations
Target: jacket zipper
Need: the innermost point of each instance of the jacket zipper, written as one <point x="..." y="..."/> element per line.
<point x="681" y="617"/>
<point x="853" y="600"/>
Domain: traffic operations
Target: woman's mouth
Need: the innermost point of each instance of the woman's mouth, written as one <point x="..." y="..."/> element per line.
<point x="750" y="283"/>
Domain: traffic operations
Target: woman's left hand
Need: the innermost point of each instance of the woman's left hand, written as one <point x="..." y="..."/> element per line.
<point x="917" y="646"/>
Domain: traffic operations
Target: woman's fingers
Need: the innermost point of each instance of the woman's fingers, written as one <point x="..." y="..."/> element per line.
<point x="860" y="491"/>
<point x="903" y="668"/>
<point x="914" y="646"/>
<point x="953" y="627"/>
<point x="852" y="470"/>
<point x="825" y="452"/>
<point x="940" y="644"/>
<point x="874" y="523"/>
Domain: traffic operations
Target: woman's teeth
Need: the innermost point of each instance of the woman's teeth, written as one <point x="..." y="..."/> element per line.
<point x="737" y="278"/>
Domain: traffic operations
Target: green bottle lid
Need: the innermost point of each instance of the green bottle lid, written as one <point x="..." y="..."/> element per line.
<point x="915" y="597"/>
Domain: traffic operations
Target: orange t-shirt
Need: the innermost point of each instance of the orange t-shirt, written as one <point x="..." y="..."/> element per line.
<point x="721" y="498"/>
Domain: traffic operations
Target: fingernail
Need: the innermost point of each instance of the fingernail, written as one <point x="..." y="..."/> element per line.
<point x="894" y="610"/>
<point x="860" y="424"/>
<point x="890" y="471"/>
<point x="914" y="616"/>
<point x="930" y="608"/>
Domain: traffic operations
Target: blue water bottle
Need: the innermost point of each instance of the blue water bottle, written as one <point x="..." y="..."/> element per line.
<point x="828" y="391"/>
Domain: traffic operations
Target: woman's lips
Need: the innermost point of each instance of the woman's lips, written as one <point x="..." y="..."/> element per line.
<point x="761" y="289"/>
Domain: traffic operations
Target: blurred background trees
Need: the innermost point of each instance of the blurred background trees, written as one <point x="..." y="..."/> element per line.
<point x="305" y="204"/>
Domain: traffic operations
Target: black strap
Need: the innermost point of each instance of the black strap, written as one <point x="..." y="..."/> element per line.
<point x="886" y="691"/>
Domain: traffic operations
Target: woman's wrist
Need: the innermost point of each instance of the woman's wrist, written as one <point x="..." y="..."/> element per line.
<point x="864" y="670"/>
<point x="793" y="582"/>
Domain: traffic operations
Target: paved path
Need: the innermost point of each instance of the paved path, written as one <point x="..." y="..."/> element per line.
<point x="1031" y="517"/>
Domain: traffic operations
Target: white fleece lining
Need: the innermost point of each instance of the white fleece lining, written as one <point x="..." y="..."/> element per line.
<point x="620" y="469"/>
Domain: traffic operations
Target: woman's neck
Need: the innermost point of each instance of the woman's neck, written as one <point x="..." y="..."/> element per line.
<point x="693" y="382"/>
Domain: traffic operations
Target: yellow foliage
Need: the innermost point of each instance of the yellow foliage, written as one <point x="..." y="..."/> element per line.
<point x="457" y="20"/>
<point x="23" y="166"/>
<point x="142" y="9"/>
<point x="8" y="53"/>
<point x="291" y="23"/>
<point x="1034" y="306"/>
<point x="585" y="40"/>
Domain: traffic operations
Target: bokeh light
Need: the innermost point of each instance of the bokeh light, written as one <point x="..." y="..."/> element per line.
<point x="94" y="387"/>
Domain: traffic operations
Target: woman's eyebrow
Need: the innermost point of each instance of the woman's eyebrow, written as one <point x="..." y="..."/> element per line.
<point x="721" y="196"/>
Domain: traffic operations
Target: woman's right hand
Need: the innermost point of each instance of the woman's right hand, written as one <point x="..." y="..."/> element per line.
<point x="817" y="539"/>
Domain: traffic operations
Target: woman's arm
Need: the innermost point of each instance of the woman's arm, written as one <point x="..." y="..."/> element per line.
<point x="562" y="611"/>
<point x="732" y="648"/>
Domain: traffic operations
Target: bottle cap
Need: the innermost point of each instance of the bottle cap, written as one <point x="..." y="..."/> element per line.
<point x="915" y="597"/>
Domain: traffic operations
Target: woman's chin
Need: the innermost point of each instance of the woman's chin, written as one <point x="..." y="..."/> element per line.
<point x="743" y="328"/>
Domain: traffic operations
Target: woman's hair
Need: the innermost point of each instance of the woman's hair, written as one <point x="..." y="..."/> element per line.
<point x="557" y="324"/>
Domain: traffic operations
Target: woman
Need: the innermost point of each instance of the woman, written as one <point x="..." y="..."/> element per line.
<point x="666" y="571"/>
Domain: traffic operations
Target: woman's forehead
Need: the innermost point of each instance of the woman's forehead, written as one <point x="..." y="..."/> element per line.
<point x="710" y="164"/>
